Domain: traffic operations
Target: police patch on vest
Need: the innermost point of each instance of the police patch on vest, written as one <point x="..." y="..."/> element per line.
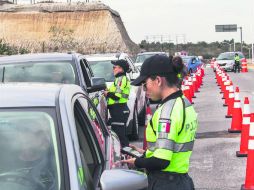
<point x="164" y="127"/>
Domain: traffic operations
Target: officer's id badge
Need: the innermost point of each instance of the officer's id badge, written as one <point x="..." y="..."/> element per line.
<point x="164" y="126"/>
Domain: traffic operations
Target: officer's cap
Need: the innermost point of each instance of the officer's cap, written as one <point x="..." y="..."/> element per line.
<point x="157" y="65"/>
<point x="122" y="63"/>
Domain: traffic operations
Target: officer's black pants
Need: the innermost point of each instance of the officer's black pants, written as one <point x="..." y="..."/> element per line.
<point x="119" y="115"/>
<point x="237" y="67"/>
<point x="168" y="181"/>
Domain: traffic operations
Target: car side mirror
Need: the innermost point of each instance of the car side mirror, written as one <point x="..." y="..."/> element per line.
<point x="123" y="179"/>
<point x="97" y="84"/>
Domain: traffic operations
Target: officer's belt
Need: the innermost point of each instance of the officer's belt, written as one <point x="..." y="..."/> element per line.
<point x="166" y="175"/>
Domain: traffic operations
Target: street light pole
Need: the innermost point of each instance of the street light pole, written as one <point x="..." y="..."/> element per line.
<point x="234" y="45"/>
<point x="241" y="33"/>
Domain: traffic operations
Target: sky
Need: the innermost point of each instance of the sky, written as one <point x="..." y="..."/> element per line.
<point x="194" y="19"/>
<point x="184" y="20"/>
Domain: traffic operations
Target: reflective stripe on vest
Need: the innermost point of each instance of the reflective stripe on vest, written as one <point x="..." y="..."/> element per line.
<point x="171" y="145"/>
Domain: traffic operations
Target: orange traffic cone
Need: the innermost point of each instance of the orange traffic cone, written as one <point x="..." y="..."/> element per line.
<point x="245" y="130"/>
<point x="227" y="85"/>
<point x="191" y="87"/>
<point x="244" y="67"/>
<point x="223" y="84"/>
<point x="249" y="179"/>
<point x="230" y="102"/>
<point x="187" y="92"/>
<point x="148" y="117"/>
<point x="195" y="83"/>
<point x="236" y="123"/>
<point x="199" y="79"/>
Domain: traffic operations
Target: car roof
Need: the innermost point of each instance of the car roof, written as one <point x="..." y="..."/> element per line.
<point x="188" y="57"/>
<point x="103" y="57"/>
<point x="33" y="94"/>
<point x="232" y="52"/>
<point x="155" y="52"/>
<point x="37" y="57"/>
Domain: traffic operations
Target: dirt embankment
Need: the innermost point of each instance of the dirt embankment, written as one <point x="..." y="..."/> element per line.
<point x="82" y="27"/>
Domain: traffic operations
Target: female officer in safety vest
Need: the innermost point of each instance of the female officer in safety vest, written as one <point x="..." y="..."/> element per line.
<point x="117" y="97"/>
<point x="171" y="132"/>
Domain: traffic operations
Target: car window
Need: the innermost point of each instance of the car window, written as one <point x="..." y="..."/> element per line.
<point x="96" y="123"/>
<point x="1" y="74"/>
<point x="29" y="151"/>
<point x="142" y="58"/>
<point x="49" y="72"/>
<point x="92" y="159"/>
<point x="103" y="69"/>
<point x="86" y="72"/>
<point x="229" y="56"/>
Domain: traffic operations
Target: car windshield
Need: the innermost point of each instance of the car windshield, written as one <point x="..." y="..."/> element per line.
<point x="103" y="69"/>
<point x="186" y="59"/>
<point x="49" y="72"/>
<point x="142" y="58"/>
<point x="29" y="151"/>
<point x="229" y="56"/>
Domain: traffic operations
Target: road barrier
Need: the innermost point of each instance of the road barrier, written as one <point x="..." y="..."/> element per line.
<point x="244" y="67"/>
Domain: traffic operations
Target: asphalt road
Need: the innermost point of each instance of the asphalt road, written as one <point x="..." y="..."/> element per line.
<point x="213" y="164"/>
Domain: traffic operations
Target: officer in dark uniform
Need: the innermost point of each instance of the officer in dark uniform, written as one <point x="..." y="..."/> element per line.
<point x="170" y="133"/>
<point x="117" y="97"/>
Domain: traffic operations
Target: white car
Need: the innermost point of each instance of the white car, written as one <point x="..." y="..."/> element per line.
<point x="226" y="60"/>
<point x="141" y="57"/>
<point x="101" y="66"/>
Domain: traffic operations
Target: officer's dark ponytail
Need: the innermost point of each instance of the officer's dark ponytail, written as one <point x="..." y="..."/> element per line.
<point x="179" y="72"/>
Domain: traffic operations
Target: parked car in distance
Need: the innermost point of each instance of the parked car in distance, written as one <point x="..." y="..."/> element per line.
<point x="226" y="60"/>
<point x="67" y="68"/>
<point x="141" y="57"/>
<point x="192" y="63"/>
<point x="101" y="67"/>
<point x="49" y="140"/>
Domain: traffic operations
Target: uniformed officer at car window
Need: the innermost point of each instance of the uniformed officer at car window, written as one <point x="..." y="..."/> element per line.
<point x="171" y="131"/>
<point x="117" y="97"/>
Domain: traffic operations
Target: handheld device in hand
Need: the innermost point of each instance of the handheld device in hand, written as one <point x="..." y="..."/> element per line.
<point x="130" y="151"/>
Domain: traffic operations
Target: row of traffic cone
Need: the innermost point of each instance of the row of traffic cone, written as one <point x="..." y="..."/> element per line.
<point x="192" y="83"/>
<point x="241" y="122"/>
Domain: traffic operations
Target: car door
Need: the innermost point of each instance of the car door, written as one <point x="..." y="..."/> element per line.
<point x="97" y="97"/>
<point x="90" y="152"/>
<point x="138" y="91"/>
